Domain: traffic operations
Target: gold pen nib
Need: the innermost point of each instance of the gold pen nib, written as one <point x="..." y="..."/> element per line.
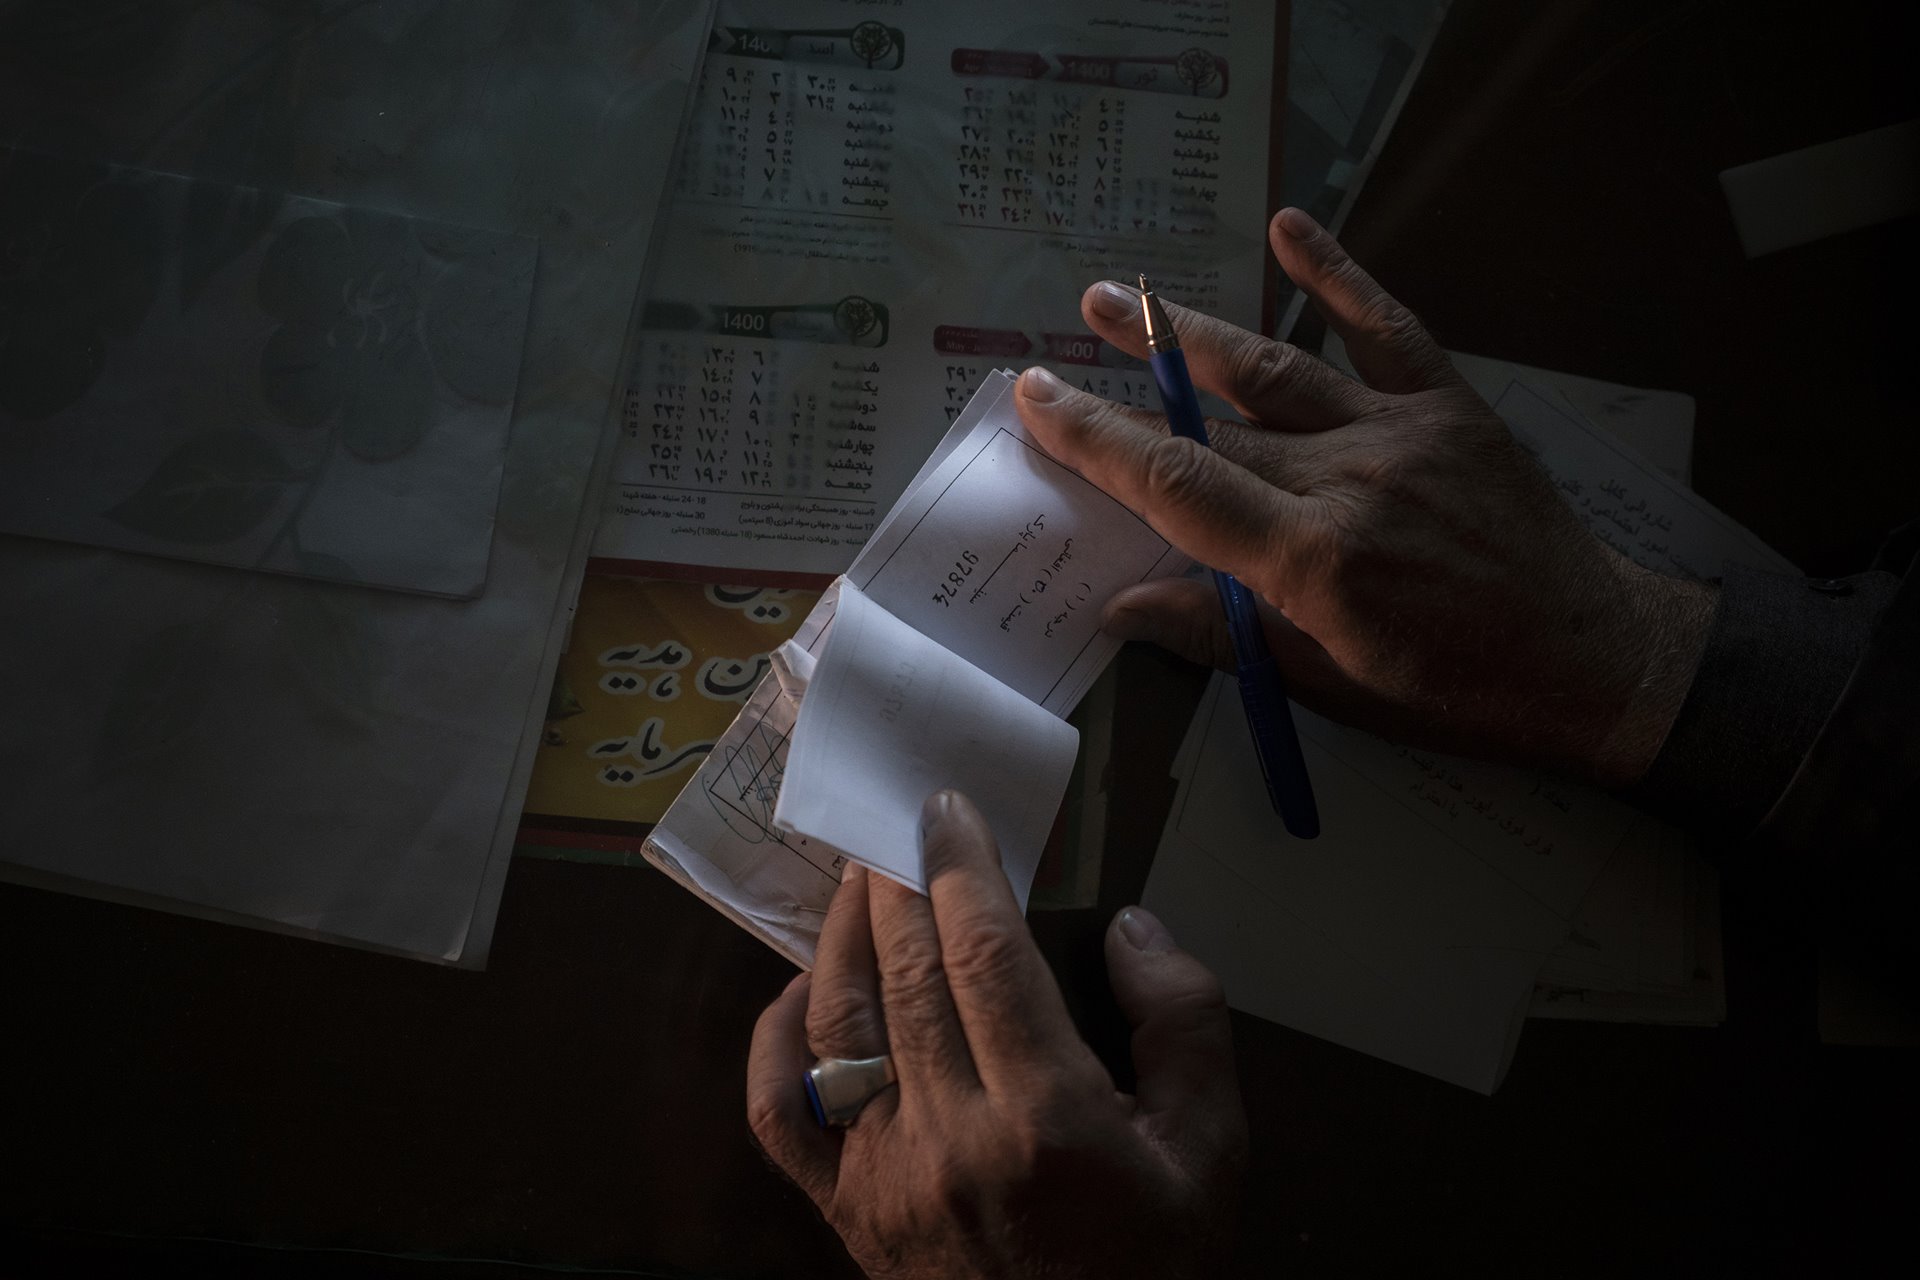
<point x="1160" y="334"/>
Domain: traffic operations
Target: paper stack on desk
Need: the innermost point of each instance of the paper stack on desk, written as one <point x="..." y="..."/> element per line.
<point x="1443" y="890"/>
<point x="947" y="655"/>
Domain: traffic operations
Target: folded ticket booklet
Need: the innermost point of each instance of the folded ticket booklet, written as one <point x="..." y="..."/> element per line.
<point x="948" y="655"/>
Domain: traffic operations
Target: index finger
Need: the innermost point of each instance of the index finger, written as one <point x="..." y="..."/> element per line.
<point x="1219" y="513"/>
<point x="1272" y="384"/>
<point x="1009" y="1005"/>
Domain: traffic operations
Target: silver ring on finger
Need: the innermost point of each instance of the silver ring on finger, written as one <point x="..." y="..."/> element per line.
<point x="838" y="1088"/>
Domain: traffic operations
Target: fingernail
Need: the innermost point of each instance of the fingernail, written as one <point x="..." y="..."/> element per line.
<point x="1297" y="224"/>
<point x="1114" y="301"/>
<point x="934" y="812"/>
<point x="1144" y="932"/>
<point x="1040" y="386"/>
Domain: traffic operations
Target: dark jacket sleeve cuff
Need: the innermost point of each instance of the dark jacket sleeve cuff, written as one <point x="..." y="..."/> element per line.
<point x="1778" y="655"/>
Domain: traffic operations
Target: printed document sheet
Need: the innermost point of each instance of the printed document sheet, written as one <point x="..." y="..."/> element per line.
<point x="878" y="205"/>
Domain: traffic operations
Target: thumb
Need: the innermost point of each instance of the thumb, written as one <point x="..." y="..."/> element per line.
<point x="1182" y="1040"/>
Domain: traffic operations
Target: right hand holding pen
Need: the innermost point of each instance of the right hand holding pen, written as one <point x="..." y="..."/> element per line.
<point x="1420" y="577"/>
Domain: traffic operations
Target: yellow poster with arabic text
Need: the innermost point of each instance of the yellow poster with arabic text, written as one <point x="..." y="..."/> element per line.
<point x="654" y="673"/>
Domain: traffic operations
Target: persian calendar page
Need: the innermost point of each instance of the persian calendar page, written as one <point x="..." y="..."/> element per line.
<point x="879" y="203"/>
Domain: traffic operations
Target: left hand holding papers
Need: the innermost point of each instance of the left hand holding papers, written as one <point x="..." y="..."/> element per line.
<point x="1006" y="1149"/>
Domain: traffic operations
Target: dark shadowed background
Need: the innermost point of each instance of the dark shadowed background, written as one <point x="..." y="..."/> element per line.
<point x="188" y="1094"/>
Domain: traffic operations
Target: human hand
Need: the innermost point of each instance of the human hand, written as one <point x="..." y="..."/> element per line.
<point x="1005" y="1150"/>
<point x="1421" y="578"/>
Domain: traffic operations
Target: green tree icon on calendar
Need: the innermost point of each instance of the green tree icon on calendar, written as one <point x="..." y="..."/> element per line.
<point x="871" y="42"/>
<point x="1197" y="69"/>
<point x="855" y="317"/>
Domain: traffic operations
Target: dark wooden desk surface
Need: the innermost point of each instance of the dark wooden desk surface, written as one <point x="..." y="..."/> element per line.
<point x="1549" y="196"/>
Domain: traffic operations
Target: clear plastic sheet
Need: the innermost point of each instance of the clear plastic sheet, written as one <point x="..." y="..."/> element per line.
<point x="328" y="758"/>
<point x="331" y="403"/>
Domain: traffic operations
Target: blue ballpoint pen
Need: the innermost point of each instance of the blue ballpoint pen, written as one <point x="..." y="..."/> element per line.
<point x="1261" y="691"/>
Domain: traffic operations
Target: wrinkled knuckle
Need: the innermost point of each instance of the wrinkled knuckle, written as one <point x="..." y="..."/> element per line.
<point x="1394" y="326"/>
<point x="1176" y="473"/>
<point x="1082" y="414"/>
<point x="1352" y="278"/>
<point x="989" y="956"/>
<point x="1105" y="418"/>
<point x="912" y="975"/>
<point x="840" y="1019"/>
<point x="1260" y="368"/>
